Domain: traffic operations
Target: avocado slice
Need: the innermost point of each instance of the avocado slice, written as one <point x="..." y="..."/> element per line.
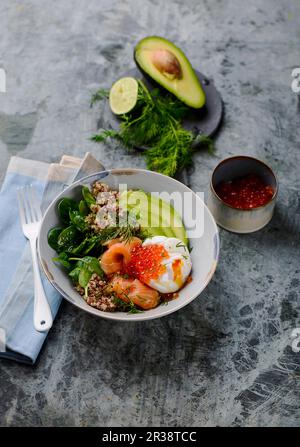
<point x="168" y="66"/>
<point x="154" y="214"/>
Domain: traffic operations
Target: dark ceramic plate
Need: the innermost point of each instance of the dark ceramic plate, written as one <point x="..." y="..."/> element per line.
<point x="204" y="121"/>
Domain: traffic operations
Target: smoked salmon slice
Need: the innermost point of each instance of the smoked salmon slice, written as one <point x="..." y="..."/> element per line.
<point x="131" y="243"/>
<point x="117" y="255"/>
<point x="135" y="291"/>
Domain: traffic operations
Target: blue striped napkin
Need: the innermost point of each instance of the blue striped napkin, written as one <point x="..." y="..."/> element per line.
<point x="18" y="339"/>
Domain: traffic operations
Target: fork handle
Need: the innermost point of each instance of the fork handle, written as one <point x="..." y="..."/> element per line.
<point x="42" y="316"/>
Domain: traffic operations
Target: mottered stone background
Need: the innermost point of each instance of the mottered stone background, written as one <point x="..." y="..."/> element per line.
<point x="225" y="359"/>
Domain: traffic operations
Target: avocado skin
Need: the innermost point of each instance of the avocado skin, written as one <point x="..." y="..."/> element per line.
<point x="160" y="83"/>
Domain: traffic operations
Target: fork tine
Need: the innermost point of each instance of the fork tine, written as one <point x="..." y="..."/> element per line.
<point x="31" y="217"/>
<point x="30" y="211"/>
<point x="30" y="204"/>
<point x="21" y="207"/>
<point x="36" y="204"/>
<point x="25" y="205"/>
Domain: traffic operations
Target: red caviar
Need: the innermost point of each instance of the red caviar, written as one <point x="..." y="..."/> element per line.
<point x="245" y="192"/>
<point x="145" y="263"/>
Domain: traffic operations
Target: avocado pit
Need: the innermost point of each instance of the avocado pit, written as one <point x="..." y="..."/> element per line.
<point x="167" y="63"/>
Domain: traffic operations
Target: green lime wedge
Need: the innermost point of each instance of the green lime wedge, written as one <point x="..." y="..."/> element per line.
<point x="123" y="95"/>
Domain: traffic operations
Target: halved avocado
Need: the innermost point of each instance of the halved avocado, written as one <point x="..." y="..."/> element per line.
<point x="154" y="214"/>
<point x="168" y="66"/>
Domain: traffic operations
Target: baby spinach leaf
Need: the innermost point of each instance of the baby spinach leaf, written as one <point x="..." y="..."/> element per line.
<point x="87" y="245"/>
<point x="81" y="248"/>
<point x="93" y="242"/>
<point x="68" y="239"/>
<point x="93" y="265"/>
<point x="88" y="197"/>
<point x="63" y="259"/>
<point x="82" y="273"/>
<point x="63" y="208"/>
<point x="84" y="277"/>
<point x="74" y="274"/>
<point x="78" y="220"/>
<point x="52" y="237"/>
<point x="83" y="208"/>
<point x="89" y="263"/>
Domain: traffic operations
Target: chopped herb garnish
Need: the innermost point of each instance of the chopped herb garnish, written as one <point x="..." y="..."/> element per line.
<point x="125" y="233"/>
<point x="99" y="95"/>
<point x="155" y="123"/>
<point x="129" y="307"/>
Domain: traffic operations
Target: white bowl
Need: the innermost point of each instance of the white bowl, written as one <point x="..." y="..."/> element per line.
<point x="205" y="249"/>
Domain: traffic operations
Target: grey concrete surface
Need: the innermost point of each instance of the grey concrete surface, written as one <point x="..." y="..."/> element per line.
<point x="226" y="359"/>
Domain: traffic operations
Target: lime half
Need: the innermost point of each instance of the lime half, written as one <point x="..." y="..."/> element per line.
<point x="123" y="95"/>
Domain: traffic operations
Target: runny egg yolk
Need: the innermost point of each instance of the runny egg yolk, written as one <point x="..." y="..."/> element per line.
<point x="160" y="262"/>
<point x="176" y="266"/>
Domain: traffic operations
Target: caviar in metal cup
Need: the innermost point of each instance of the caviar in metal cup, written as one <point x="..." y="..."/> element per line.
<point x="252" y="189"/>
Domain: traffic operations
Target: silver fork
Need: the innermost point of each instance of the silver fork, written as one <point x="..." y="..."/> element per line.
<point x="31" y="216"/>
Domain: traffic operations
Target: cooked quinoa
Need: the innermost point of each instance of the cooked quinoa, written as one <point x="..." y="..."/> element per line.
<point x="106" y="211"/>
<point x="99" y="294"/>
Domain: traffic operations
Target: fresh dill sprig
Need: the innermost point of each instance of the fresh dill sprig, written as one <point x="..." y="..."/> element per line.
<point x="126" y="233"/>
<point x="155" y="124"/>
<point x="205" y="142"/>
<point x="100" y="94"/>
<point x="171" y="152"/>
<point x="102" y="136"/>
<point x="129" y="307"/>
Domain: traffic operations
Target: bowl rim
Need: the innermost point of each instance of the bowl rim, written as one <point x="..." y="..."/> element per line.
<point x="244" y="157"/>
<point x="142" y="316"/>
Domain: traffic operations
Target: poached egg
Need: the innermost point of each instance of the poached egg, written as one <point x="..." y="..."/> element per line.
<point x="163" y="263"/>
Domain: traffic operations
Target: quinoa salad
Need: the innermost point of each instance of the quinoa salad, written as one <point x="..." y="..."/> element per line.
<point x="115" y="259"/>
